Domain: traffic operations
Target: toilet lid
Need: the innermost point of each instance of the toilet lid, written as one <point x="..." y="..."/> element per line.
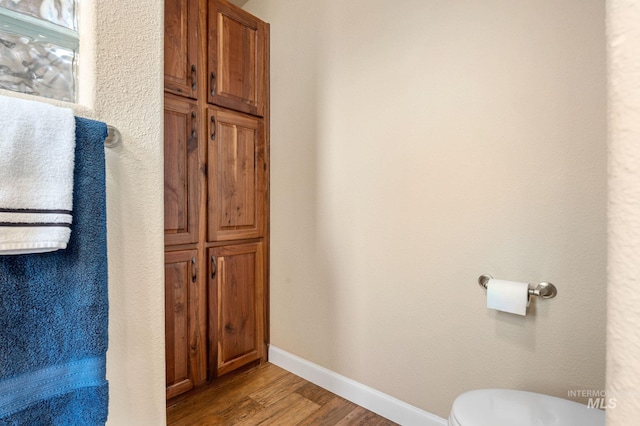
<point x="502" y="407"/>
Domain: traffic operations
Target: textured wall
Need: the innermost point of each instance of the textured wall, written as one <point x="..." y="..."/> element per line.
<point x="121" y="83"/>
<point x="129" y="95"/>
<point x="623" y="360"/>
<point x="417" y="144"/>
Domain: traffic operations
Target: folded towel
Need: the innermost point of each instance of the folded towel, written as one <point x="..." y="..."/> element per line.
<point x="54" y="311"/>
<point x="36" y="176"/>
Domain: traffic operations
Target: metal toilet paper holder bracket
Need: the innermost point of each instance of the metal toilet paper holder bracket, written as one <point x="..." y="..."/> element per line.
<point x="545" y="289"/>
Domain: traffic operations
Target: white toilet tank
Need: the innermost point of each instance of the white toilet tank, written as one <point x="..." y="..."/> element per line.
<point x="502" y="407"/>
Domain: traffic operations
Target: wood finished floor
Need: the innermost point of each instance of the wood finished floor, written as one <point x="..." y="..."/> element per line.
<point x="267" y="395"/>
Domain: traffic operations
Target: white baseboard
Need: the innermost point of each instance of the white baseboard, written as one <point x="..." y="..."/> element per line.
<point x="369" y="398"/>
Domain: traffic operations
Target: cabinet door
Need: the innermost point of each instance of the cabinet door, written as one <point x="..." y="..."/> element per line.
<point x="236" y="177"/>
<point x="185" y="323"/>
<point x="237" y="58"/>
<point x="236" y="316"/>
<point x="181" y="46"/>
<point x="181" y="175"/>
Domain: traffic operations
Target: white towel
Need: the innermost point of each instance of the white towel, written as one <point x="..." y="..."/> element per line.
<point x="37" y="144"/>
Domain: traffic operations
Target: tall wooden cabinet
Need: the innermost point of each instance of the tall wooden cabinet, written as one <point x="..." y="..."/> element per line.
<point x="216" y="190"/>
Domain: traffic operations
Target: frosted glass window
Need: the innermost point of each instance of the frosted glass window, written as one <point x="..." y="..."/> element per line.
<point x="39" y="47"/>
<point x="60" y="12"/>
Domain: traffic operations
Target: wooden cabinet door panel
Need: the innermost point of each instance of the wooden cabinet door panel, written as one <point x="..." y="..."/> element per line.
<point x="236" y="174"/>
<point x="181" y="46"/>
<point x="236" y="55"/>
<point x="185" y="324"/>
<point x="181" y="171"/>
<point x="236" y="317"/>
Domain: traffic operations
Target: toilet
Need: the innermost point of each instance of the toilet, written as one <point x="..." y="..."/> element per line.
<point x="503" y="407"/>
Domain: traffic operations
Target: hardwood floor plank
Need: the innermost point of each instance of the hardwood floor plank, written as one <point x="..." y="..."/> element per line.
<point x="277" y="390"/>
<point x="231" y="415"/>
<point x="267" y="395"/>
<point x="238" y="413"/>
<point x="182" y="404"/>
<point x="315" y="393"/>
<point x="363" y="417"/>
<point x="215" y="400"/>
<point x="289" y="410"/>
<point x="330" y="413"/>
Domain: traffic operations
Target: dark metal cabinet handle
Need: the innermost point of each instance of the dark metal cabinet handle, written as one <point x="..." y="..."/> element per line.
<point x="214" y="83"/>
<point x="193" y="77"/>
<point x="194" y="270"/>
<point x="194" y="124"/>
<point x="213" y="127"/>
<point x="214" y="267"/>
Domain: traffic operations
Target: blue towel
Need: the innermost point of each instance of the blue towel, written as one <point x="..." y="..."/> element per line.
<point x="54" y="311"/>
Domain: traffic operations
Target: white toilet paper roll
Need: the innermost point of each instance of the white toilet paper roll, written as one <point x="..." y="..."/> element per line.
<point x="508" y="296"/>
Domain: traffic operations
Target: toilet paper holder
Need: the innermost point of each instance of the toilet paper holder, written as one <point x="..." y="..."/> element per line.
<point x="545" y="289"/>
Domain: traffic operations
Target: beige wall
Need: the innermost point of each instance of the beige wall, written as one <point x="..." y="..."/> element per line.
<point x="623" y="339"/>
<point x="417" y="144"/>
<point x="122" y="84"/>
<point x="129" y="94"/>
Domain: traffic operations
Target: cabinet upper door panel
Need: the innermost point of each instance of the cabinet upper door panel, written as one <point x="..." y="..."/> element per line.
<point x="181" y="171"/>
<point x="236" y="163"/>
<point x="237" y="52"/>
<point x="181" y="47"/>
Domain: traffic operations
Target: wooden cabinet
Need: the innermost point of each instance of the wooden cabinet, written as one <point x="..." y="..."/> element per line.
<point x="216" y="171"/>
<point x="185" y="324"/>
<point x="181" y="171"/>
<point x="236" y="179"/>
<point x="236" y="59"/>
<point x="181" y="47"/>
<point x="236" y="306"/>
